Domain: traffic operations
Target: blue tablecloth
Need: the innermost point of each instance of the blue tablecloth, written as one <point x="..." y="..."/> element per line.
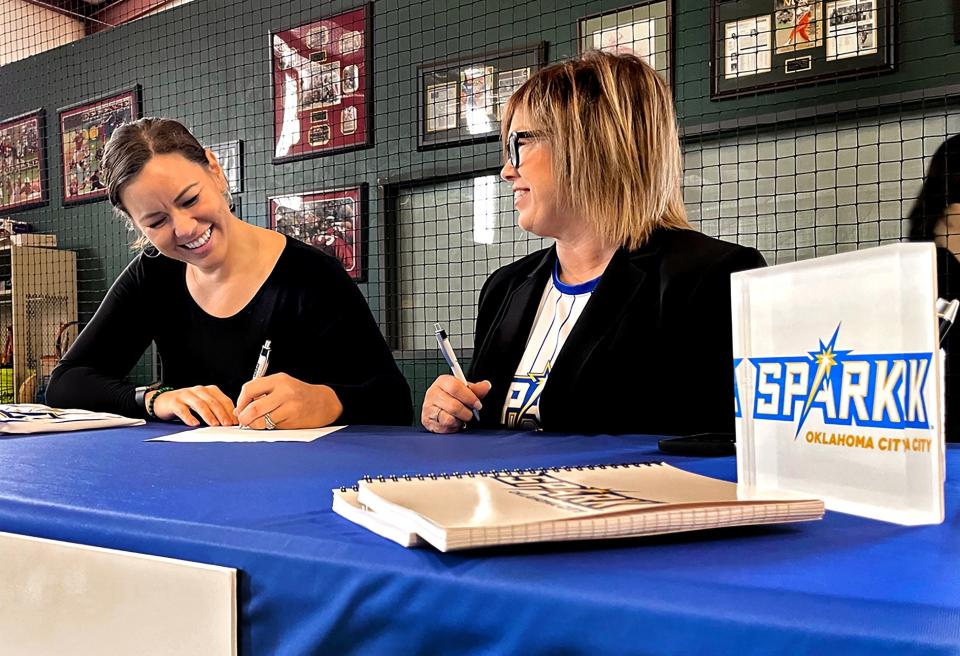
<point x="312" y="582"/>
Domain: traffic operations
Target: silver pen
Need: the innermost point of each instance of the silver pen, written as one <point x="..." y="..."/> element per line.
<point x="447" y="351"/>
<point x="263" y="361"/>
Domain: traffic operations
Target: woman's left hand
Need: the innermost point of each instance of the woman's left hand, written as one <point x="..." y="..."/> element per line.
<point x="286" y="402"/>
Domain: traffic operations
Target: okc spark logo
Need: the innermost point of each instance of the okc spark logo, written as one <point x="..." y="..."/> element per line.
<point x="844" y="387"/>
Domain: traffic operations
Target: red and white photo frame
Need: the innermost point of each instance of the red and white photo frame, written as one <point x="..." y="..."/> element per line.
<point x="332" y="220"/>
<point x="85" y="129"/>
<point x="322" y="92"/>
<point x="23" y="170"/>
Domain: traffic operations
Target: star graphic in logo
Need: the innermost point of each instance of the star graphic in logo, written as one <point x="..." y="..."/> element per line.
<point x="537" y="380"/>
<point x="826" y="358"/>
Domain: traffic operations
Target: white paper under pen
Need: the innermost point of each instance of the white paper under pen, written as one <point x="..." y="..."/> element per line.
<point x="237" y="434"/>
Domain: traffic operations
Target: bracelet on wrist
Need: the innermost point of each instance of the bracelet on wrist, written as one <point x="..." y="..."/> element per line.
<point x="160" y="390"/>
<point x="140" y="393"/>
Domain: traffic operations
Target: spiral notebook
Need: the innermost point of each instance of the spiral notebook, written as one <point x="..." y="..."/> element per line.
<point x="346" y="505"/>
<point x="484" y="509"/>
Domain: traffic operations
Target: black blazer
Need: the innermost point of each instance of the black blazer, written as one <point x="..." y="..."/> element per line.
<point x="651" y="353"/>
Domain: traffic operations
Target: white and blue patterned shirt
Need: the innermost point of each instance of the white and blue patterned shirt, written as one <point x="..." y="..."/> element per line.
<point x="560" y="308"/>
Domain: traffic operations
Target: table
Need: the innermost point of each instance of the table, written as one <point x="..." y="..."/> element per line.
<point x="312" y="582"/>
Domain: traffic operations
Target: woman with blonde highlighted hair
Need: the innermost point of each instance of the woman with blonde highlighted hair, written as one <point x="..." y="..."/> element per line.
<point x="623" y="326"/>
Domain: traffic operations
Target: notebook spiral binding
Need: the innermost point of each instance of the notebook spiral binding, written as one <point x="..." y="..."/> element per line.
<point x="495" y="472"/>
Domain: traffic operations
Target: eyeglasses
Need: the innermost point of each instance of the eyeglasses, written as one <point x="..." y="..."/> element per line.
<point x="513" y="145"/>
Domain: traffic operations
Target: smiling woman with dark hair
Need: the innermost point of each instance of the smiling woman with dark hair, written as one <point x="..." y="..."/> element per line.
<point x="935" y="217"/>
<point x="623" y="326"/>
<point x="209" y="290"/>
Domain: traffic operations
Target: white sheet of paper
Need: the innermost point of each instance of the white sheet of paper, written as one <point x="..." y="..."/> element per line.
<point x="237" y="434"/>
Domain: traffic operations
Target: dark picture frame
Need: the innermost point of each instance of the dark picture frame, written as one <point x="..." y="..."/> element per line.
<point x="332" y="220"/>
<point x="23" y="162"/>
<point x="230" y="156"/>
<point x="322" y="75"/>
<point x="761" y="45"/>
<point x="85" y="129"/>
<point x="644" y="29"/>
<point x="461" y="100"/>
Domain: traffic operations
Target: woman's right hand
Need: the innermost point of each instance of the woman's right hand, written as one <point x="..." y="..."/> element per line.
<point x="213" y="406"/>
<point x="449" y="404"/>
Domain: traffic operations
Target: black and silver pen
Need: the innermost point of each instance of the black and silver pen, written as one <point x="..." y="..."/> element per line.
<point x="263" y="361"/>
<point x="447" y="350"/>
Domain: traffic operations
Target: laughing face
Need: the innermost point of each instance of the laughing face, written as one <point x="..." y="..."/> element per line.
<point x="533" y="184"/>
<point x="180" y="207"/>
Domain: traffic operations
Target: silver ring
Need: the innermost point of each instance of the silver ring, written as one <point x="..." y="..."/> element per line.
<point x="436" y="417"/>
<point x="269" y="421"/>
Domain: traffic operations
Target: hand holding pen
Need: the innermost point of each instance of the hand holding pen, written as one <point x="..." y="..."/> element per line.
<point x="263" y="361"/>
<point x="447" y="351"/>
<point x="451" y="401"/>
<point x="282" y="401"/>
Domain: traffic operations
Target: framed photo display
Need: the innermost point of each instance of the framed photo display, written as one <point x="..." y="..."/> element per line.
<point x="84" y="131"/>
<point x="322" y="92"/>
<point x="766" y="44"/>
<point x="462" y="100"/>
<point x="333" y="220"/>
<point x="23" y="167"/>
<point x="230" y="156"/>
<point x="645" y="29"/>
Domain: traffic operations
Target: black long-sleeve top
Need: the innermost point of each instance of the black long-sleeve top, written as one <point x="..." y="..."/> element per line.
<point x="320" y="327"/>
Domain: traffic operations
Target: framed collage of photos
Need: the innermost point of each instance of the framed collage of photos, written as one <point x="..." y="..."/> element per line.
<point x="23" y="170"/>
<point x="462" y="100"/>
<point x="645" y="30"/>
<point x="84" y="131"/>
<point x="766" y="44"/>
<point x="322" y="92"/>
<point x="333" y="220"/>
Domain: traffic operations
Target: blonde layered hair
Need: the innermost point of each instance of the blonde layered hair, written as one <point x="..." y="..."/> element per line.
<point x="616" y="154"/>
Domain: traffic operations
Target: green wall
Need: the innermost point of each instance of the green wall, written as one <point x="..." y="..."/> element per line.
<point x="208" y="64"/>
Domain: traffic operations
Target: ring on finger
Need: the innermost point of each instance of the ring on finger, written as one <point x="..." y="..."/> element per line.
<point x="268" y="420"/>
